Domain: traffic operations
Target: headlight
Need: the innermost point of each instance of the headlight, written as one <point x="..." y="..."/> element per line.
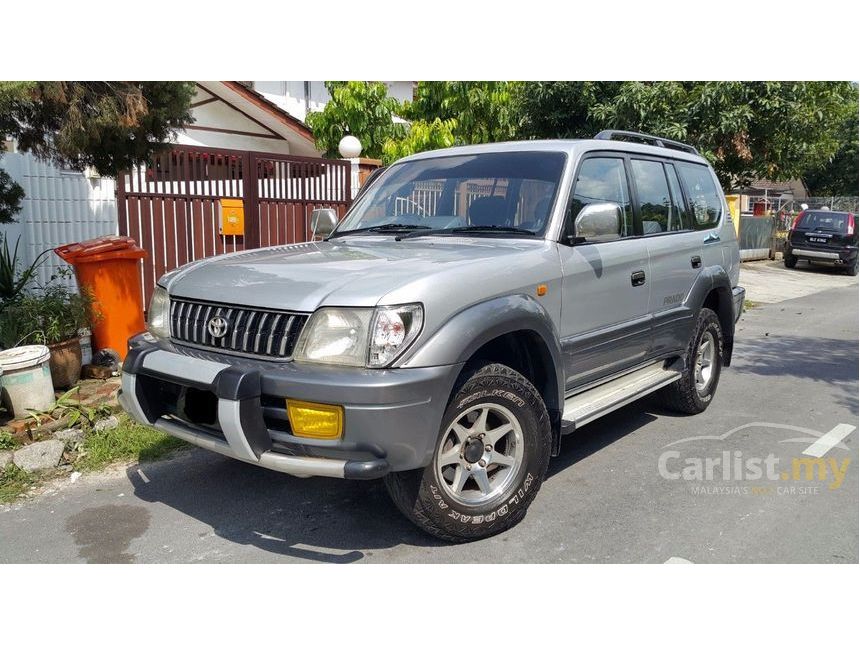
<point x="361" y="337"/>
<point x="158" y="322"/>
<point x="335" y="336"/>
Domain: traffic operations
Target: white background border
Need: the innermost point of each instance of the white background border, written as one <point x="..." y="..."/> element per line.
<point x="536" y="40"/>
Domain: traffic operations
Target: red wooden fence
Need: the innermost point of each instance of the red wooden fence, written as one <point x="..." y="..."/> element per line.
<point x="172" y="205"/>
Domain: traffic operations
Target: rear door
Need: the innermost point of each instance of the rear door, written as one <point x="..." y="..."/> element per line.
<point x="706" y="204"/>
<point x="674" y="249"/>
<point x="605" y="326"/>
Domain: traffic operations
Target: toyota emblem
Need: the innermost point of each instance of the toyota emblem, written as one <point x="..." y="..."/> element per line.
<point x="218" y="327"/>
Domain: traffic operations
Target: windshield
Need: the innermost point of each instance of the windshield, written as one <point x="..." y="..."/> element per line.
<point x="503" y="190"/>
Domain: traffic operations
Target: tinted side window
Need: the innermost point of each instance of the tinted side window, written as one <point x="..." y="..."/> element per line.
<point x="702" y="193"/>
<point x="679" y="220"/>
<point x="601" y="179"/>
<point x="654" y="202"/>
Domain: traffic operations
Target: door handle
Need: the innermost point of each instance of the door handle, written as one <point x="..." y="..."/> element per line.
<point x="696" y="261"/>
<point x="637" y="278"/>
<point x="711" y="238"/>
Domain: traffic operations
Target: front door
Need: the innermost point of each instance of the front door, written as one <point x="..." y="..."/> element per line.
<point x="605" y="324"/>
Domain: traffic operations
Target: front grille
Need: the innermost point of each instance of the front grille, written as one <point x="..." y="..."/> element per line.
<point x="257" y="332"/>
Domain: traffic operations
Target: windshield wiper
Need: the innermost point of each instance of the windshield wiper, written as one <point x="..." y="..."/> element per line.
<point x="468" y="230"/>
<point x="492" y="228"/>
<point x="382" y="228"/>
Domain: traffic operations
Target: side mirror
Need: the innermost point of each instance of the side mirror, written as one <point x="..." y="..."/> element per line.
<point x="323" y="221"/>
<point x="598" y="222"/>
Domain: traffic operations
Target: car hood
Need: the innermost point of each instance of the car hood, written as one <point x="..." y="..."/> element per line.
<point x="354" y="271"/>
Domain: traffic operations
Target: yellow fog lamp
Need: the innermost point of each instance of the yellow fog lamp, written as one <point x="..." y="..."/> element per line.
<point x="315" y="420"/>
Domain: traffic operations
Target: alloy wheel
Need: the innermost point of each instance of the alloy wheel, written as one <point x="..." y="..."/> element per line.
<point x="480" y="454"/>
<point x="705" y="361"/>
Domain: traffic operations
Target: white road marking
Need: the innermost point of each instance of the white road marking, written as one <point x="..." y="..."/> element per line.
<point x="829" y="439"/>
<point x="676" y="560"/>
<point x="142" y="476"/>
<point x="322" y="549"/>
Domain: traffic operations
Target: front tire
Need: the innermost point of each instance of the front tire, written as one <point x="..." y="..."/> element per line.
<point x="694" y="391"/>
<point x="790" y="261"/>
<point x="490" y="460"/>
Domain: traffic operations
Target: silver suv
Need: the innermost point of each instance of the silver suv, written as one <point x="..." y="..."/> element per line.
<point x="475" y="305"/>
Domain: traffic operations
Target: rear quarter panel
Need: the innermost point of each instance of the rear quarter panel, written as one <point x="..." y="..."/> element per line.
<point x="731" y="256"/>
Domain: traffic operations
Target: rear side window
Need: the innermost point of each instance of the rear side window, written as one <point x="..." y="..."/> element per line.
<point x="703" y="194"/>
<point x="679" y="219"/>
<point x="655" y="203"/>
<point x="602" y="179"/>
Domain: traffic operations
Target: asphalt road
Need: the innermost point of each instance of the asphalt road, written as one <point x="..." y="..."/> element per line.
<point x="794" y="378"/>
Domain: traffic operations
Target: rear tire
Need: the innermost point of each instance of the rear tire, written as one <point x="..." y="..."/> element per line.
<point x="852" y="270"/>
<point x="694" y="391"/>
<point x="790" y="261"/>
<point x="490" y="460"/>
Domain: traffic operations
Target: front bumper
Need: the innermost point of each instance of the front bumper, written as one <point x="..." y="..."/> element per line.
<point x="236" y="407"/>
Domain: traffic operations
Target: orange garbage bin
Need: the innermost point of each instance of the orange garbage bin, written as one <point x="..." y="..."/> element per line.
<point x="110" y="268"/>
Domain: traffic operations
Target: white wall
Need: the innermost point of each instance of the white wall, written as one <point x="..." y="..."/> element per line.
<point x="290" y="95"/>
<point x="220" y="115"/>
<point x="400" y="90"/>
<point x="58" y="208"/>
<point x="231" y="141"/>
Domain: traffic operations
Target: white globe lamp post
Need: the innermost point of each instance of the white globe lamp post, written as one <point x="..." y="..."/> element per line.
<point x="349" y="147"/>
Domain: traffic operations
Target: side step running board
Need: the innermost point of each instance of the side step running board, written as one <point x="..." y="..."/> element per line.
<point x="587" y="406"/>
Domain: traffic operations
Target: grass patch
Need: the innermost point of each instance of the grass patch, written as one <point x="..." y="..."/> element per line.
<point x="14" y="482"/>
<point x="751" y="304"/>
<point x="129" y="441"/>
<point x="7" y="442"/>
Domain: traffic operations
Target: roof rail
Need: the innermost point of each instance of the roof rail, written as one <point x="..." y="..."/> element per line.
<point x="650" y="139"/>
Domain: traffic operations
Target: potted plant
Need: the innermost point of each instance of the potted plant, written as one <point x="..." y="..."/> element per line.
<point x="51" y="315"/>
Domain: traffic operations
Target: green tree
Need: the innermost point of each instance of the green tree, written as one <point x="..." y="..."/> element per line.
<point x="477" y="111"/>
<point x="11" y="195"/>
<point x="360" y="108"/>
<point x="839" y="175"/>
<point x="421" y="136"/>
<point x="560" y="110"/>
<point x="109" y="125"/>
<point x="748" y="130"/>
<point x="443" y="114"/>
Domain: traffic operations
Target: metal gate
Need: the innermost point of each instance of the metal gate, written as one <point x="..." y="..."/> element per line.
<point x="172" y="205"/>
